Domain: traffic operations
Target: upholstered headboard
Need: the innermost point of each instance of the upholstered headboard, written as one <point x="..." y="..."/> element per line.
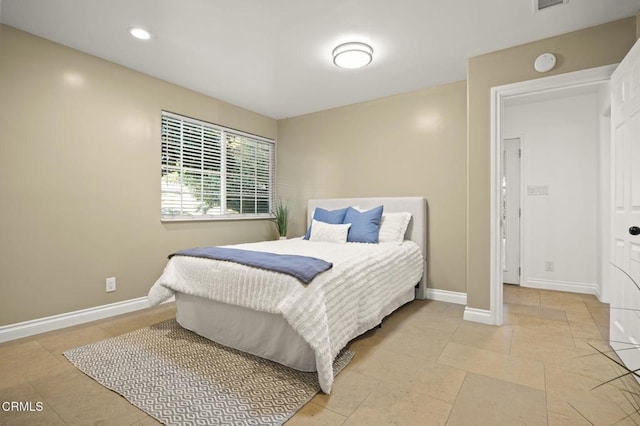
<point x="417" y="230"/>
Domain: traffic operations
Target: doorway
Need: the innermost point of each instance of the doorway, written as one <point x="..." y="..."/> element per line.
<point x="498" y="97"/>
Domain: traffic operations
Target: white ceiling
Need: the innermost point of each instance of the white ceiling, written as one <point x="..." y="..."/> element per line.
<point x="274" y="56"/>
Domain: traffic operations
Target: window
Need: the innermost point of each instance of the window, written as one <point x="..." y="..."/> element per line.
<point x="211" y="172"/>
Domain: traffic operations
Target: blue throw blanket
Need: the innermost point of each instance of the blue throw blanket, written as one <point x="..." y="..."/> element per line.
<point x="303" y="268"/>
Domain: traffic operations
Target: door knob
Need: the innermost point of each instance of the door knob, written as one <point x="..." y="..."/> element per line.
<point x="634" y="230"/>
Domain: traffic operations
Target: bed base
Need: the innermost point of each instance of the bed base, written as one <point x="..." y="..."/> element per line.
<point x="269" y="335"/>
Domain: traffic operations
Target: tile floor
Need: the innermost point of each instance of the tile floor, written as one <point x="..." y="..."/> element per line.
<point x="424" y="366"/>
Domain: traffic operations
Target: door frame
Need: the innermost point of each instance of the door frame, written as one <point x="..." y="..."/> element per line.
<point x="498" y="95"/>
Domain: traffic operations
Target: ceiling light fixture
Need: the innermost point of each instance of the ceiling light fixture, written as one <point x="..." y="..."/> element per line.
<point x="140" y="33"/>
<point x="352" y="55"/>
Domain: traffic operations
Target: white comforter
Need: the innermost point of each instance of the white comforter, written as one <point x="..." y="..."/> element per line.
<point x="335" y="307"/>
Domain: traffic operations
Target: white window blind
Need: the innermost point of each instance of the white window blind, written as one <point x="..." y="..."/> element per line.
<point x="212" y="172"/>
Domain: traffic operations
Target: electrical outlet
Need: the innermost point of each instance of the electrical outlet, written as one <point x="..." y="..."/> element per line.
<point x="548" y="266"/>
<point x="111" y="284"/>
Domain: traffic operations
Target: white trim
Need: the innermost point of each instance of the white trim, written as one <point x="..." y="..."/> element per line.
<point x="56" y="322"/>
<point x="495" y="244"/>
<point x="568" y="286"/>
<point x="447" y="296"/>
<point x="498" y="95"/>
<point x="478" y="315"/>
<point x="598" y="294"/>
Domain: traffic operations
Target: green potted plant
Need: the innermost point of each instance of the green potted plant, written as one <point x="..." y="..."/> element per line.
<point x="281" y="218"/>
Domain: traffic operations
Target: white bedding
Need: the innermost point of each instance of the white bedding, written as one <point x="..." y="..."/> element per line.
<point x="335" y="307"/>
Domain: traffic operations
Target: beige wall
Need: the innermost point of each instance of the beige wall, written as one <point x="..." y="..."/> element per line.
<point x="79" y="149"/>
<point x="80" y="178"/>
<point x="410" y="144"/>
<point x="588" y="48"/>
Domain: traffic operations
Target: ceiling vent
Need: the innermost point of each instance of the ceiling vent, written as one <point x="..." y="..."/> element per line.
<point x="546" y="4"/>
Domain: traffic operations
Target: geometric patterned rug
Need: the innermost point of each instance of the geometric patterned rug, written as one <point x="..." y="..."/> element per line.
<point x="181" y="378"/>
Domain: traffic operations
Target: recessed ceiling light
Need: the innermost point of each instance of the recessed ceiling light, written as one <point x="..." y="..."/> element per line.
<point x="352" y="55"/>
<point x="140" y="33"/>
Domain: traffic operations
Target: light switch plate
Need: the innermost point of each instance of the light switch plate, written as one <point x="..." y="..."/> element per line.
<point x="537" y="190"/>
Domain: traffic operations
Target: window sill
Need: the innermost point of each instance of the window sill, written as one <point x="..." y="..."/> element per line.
<point x="216" y="218"/>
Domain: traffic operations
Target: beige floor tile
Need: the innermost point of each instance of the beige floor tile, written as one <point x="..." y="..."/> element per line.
<point x="488" y="401"/>
<point x="599" y="310"/>
<point x="447" y="324"/>
<point x="632" y="420"/>
<point x="577" y="396"/>
<point x="600" y="315"/>
<point x="452" y="310"/>
<point x="390" y="404"/>
<point x="147" y="421"/>
<point x="140" y="319"/>
<point x="522" y="371"/>
<point x="489" y="337"/>
<point x="576" y="317"/>
<point x="585" y="330"/>
<point x="315" y="415"/>
<point x="17" y="348"/>
<point x="442" y="309"/>
<point x="419" y="314"/>
<point x="420" y="345"/>
<point x="590" y="300"/>
<point x="425" y="362"/>
<point x="365" y="342"/>
<point x="630" y="386"/>
<point x="604" y="332"/>
<point x="595" y="345"/>
<point x="556" y="419"/>
<point x="550" y="296"/>
<point x="570" y="302"/>
<point x="601" y="320"/>
<point x="560" y="350"/>
<point x="408" y="309"/>
<point x="544" y="324"/>
<point x="540" y="332"/>
<point x="413" y="374"/>
<point x="436" y="316"/>
<point x="509" y="318"/>
<point x="30" y="365"/>
<point x="79" y="400"/>
<point x="32" y="408"/>
<point x="521" y="295"/>
<point x="59" y="342"/>
<point x="591" y="364"/>
<point x="348" y="391"/>
<point x="536" y="311"/>
<point x="423" y="343"/>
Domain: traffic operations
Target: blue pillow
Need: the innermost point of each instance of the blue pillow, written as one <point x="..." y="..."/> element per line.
<point x="333" y="217"/>
<point x="365" y="226"/>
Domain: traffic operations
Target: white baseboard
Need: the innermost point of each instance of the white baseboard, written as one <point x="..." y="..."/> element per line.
<point x="478" y="315"/>
<point x="56" y="322"/>
<point x="571" y="287"/>
<point x="447" y="296"/>
<point x="599" y="296"/>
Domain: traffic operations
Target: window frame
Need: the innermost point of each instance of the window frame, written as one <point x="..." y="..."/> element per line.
<point x="224" y="133"/>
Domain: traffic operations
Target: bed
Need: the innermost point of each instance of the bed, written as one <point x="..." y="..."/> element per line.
<point x="275" y="316"/>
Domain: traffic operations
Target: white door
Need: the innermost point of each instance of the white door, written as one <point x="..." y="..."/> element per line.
<point x="511" y="211"/>
<point x="625" y="218"/>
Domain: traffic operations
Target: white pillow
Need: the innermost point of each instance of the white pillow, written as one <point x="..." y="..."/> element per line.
<point x="393" y="227"/>
<point x="321" y="231"/>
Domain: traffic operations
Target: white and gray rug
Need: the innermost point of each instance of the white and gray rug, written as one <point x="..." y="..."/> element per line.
<point x="181" y="378"/>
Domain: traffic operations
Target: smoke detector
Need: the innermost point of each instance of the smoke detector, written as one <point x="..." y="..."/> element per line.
<point x="546" y="4"/>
